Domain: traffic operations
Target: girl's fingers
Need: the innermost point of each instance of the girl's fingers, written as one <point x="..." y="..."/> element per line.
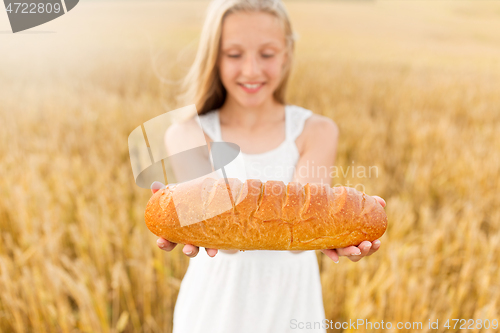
<point x="211" y="252"/>
<point x="364" y="249"/>
<point x="354" y="253"/>
<point x="349" y="251"/>
<point x="380" y="200"/>
<point x="156" y="186"/>
<point x="374" y="248"/>
<point x="165" y="244"/>
<point x="190" y="250"/>
<point x="332" y="254"/>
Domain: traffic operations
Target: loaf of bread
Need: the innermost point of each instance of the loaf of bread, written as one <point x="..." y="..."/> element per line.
<point x="267" y="216"/>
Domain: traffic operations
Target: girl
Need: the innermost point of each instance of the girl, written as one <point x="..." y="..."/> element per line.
<point x="238" y="82"/>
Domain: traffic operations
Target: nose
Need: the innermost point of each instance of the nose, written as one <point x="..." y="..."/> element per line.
<point x="251" y="66"/>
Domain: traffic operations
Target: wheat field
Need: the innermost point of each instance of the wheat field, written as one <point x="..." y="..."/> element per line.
<point x="414" y="87"/>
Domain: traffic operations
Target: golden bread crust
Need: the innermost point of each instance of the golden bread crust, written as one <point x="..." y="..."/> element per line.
<point x="266" y="216"/>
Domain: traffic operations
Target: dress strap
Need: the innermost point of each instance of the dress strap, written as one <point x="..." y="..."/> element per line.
<point x="210" y="124"/>
<point x="296" y="117"/>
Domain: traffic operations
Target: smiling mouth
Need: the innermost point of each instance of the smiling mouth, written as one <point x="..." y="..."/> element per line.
<point x="251" y="87"/>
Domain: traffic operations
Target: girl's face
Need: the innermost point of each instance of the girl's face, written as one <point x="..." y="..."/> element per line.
<point x="252" y="57"/>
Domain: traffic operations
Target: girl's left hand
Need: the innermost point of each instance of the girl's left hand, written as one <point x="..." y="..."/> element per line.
<point x="355" y="253"/>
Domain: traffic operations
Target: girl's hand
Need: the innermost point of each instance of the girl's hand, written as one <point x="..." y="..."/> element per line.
<point x="189" y="250"/>
<point x="355" y="253"/>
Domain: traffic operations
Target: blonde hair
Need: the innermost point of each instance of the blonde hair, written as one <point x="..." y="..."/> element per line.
<point x="202" y="85"/>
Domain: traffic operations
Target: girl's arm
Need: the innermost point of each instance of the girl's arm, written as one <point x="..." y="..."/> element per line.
<point x="318" y="149"/>
<point x="317" y="146"/>
<point x="181" y="137"/>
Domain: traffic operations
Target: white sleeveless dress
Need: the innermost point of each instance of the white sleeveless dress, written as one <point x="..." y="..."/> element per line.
<point x="253" y="291"/>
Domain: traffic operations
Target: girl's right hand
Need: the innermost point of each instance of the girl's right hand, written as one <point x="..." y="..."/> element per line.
<point x="189" y="250"/>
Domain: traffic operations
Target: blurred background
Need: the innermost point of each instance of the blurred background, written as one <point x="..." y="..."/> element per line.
<point x="414" y="87"/>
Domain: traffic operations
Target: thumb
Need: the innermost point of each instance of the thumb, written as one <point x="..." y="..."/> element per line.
<point x="156" y="186"/>
<point x="380" y="200"/>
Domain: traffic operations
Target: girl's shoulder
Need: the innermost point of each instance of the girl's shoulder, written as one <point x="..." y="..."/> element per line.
<point x="184" y="135"/>
<point x="318" y="129"/>
<point x="315" y="121"/>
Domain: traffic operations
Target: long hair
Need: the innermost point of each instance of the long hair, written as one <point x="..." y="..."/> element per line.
<point x="202" y="85"/>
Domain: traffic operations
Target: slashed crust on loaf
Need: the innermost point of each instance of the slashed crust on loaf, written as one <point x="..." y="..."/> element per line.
<point x="268" y="216"/>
